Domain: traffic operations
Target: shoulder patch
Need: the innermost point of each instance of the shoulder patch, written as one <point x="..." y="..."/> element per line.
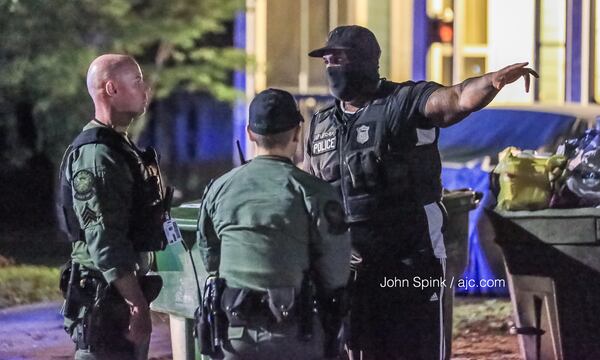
<point x="83" y="184"/>
<point x="328" y="106"/>
<point x="322" y="113"/>
<point x="334" y="214"/>
<point x="88" y="216"/>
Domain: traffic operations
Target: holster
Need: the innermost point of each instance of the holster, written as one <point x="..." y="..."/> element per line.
<point x="210" y="320"/>
<point x="106" y="320"/>
<point x="240" y="304"/>
<point x="105" y="315"/>
<point x="74" y="295"/>
<point x="151" y="286"/>
<point x="77" y="293"/>
<point x="281" y="301"/>
<point x="243" y="306"/>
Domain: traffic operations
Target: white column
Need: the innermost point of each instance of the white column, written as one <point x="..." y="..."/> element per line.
<point x="182" y="340"/>
<point x="511" y="39"/>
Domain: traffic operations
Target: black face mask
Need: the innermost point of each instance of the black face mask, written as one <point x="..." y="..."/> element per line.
<point x="347" y="82"/>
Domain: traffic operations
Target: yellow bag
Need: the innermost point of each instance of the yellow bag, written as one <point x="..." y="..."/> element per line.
<point x="524" y="179"/>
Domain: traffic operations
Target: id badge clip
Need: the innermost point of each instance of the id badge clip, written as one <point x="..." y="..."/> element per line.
<point x="172" y="232"/>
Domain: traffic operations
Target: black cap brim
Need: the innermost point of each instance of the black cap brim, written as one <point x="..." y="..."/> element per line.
<point x="327" y="50"/>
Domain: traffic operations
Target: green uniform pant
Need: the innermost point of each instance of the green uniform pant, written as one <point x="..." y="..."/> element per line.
<point x="277" y="341"/>
<point x="111" y="323"/>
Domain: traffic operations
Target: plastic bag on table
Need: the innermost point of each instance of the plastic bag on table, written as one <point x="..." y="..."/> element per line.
<point x="579" y="185"/>
<point x="525" y="179"/>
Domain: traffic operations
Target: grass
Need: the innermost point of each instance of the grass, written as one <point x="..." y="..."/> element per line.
<point x="29" y="261"/>
<point x="486" y="316"/>
<point x="34" y="246"/>
<point x="24" y="284"/>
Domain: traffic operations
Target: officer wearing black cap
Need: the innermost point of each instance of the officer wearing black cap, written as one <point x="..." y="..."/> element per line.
<point x="377" y="144"/>
<point x="270" y="230"/>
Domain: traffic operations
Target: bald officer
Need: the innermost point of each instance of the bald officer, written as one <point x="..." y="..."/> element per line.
<point x="110" y="206"/>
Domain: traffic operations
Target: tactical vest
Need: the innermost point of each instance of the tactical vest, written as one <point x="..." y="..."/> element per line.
<point x="377" y="175"/>
<point x="147" y="210"/>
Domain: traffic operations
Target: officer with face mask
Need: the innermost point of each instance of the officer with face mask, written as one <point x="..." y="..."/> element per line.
<point x="377" y="144"/>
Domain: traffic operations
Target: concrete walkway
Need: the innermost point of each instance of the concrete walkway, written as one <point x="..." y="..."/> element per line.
<point x="35" y="332"/>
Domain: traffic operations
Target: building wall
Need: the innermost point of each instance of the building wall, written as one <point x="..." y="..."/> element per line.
<point x="511" y="27"/>
<point x="486" y="35"/>
<point x="557" y="37"/>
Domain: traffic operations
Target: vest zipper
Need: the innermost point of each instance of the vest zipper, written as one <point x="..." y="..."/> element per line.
<point x="341" y="151"/>
<point x="345" y="131"/>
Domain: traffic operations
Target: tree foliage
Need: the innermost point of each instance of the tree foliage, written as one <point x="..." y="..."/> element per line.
<point x="47" y="45"/>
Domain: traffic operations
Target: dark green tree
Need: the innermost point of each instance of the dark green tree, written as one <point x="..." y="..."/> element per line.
<point x="47" y="45"/>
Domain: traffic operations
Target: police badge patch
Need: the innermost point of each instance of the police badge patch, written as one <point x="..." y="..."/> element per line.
<point x="83" y="184"/>
<point x="362" y="134"/>
<point x="324" y="142"/>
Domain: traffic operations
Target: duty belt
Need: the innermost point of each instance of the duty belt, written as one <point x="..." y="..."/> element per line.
<point x="244" y="306"/>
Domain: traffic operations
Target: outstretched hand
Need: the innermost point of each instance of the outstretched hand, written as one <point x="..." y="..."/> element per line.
<point x="512" y="73"/>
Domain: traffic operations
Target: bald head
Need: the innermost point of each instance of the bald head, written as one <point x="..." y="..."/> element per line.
<point x="116" y="85"/>
<point x="104" y="68"/>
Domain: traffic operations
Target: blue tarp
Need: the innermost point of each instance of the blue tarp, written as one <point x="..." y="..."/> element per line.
<point x="478" y="267"/>
<point x="485" y="133"/>
<point x="489" y="131"/>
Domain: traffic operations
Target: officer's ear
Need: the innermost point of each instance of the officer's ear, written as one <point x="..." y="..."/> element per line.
<point x="298" y="134"/>
<point x="250" y="134"/>
<point x="110" y="88"/>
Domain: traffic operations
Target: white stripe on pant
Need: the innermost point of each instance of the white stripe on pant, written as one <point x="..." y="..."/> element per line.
<point x="442" y="332"/>
<point x="436" y="220"/>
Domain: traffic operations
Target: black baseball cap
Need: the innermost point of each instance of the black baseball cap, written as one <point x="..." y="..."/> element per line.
<point x="352" y="38"/>
<point x="273" y="111"/>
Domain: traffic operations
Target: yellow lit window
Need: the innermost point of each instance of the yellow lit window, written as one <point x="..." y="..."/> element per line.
<point x="440" y="53"/>
<point x="473" y="38"/>
<point x="551" y="50"/>
<point x="285" y="31"/>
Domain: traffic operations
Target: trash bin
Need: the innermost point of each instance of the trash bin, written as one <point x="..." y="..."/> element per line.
<point x="552" y="259"/>
<point x="458" y="204"/>
<point x="179" y="295"/>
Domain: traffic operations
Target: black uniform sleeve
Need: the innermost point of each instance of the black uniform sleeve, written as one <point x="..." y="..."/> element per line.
<point x="408" y="106"/>
<point x="306" y="164"/>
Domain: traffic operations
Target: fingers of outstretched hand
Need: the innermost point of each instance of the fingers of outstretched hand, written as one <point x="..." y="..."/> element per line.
<point x="521" y="64"/>
<point x="513" y="67"/>
<point x="533" y="72"/>
<point x="527" y="75"/>
<point x="511" y="74"/>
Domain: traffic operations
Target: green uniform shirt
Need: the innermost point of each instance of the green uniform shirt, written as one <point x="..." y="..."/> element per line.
<point x="102" y="186"/>
<point x="263" y="224"/>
